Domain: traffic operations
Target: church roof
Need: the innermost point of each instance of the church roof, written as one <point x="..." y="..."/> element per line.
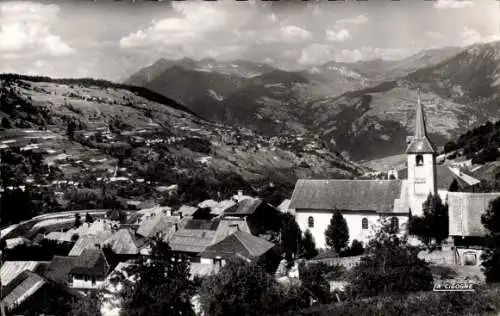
<point x="349" y="195"/>
<point x="465" y="210"/>
<point x="420" y="143"/>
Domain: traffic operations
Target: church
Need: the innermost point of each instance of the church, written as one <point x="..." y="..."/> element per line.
<point x="364" y="202"/>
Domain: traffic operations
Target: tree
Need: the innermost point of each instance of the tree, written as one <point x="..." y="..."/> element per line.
<point x="491" y="257"/>
<point x="290" y="236"/>
<point x="70" y="129"/>
<point x="158" y="284"/>
<point x="308" y="246"/>
<point x="88" y="218"/>
<point x="315" y="277"/>
<point x="337" y="233"/>
<point x="356" y="248"/>
<point x="89" y="306"/>
<point x="433" y="226"/>
<point x="6" y="123"/>
<point x="389" y="266"/>
<point x="78" y="220"/>
<point x="242" y="288"/>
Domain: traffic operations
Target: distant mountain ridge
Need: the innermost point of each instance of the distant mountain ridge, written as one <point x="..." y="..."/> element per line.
<point x="364" y="109"/>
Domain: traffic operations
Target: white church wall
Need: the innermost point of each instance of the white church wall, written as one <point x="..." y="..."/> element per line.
<point x="354" y="223"/>
<point x="422" y="181"/>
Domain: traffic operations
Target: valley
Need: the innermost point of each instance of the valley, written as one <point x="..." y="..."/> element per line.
<point x="362" y="109"/>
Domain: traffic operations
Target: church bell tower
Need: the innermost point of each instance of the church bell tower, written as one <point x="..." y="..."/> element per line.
<point x="421" y="161"/>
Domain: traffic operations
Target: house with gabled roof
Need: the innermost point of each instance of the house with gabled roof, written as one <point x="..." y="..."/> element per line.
<point x="240" y="244"/>
<point x="85" y="272"/>
<point x="261" y="216"/>
<point x="11" y="269"/>
<point x="25" y="294"/>
<point x="158" y="224"/>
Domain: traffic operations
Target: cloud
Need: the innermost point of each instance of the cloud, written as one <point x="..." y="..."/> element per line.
<point x="360" y="19"/>
<point x="471" y="36"/>
<point x="340" y="32"/>
<point x="434" y="35"/>
<point x="338" y="36"/>
<point x="321" y="53"/>
<point x="289" y="34"/>
<point x="26" y="30"/>
<point x="196" y="20"/>
<point x="453" y="4"/>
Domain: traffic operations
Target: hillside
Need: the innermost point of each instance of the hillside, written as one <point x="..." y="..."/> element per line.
<point x="481" y="146"/>
<point x="93" y="129"/>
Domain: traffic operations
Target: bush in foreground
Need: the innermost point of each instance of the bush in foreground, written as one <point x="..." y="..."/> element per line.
<point x="390" y="265"/>
<point x="482" y="302"/>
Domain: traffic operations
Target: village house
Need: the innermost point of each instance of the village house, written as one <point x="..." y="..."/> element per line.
<point x="240" y="244"/>
<point x="85" y="272"/>
<point x="364" y="202"/>
<point x="26" y="289"/>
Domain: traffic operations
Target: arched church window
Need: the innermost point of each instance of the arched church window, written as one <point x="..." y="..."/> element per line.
<point x="364" y="223"/>
<point x="419" y="160"/>
<point x="310" y="222"/>
<point x="395" y="224"/>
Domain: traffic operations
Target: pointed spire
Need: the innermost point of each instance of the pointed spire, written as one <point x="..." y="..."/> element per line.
<point x="420" y="143"/>
<point x="420" y="131"/>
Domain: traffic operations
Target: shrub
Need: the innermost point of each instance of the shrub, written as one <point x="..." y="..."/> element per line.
<point x="481" y="302"/>
<point x="242" y="288"/>
<point x="491" y="258"/>
<point x="315" y="278"/>
<point x="390" y="265"/>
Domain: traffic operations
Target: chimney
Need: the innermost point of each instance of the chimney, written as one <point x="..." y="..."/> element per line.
<point x="169" y="212"/>
<point x="240" y="193"/>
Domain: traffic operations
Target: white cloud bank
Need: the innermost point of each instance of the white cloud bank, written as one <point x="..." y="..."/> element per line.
<point x="25" y="30"/>
<point x="453" y="4"/>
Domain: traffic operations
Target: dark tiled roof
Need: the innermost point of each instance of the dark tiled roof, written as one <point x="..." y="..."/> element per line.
<point x="348" y="195"/>
<point x="228" y="226"/>
<point x="465" y="210"/>
<point x="122" y="243"/>
<point x="202" y="224"/>
<point x="191" y="240"/>
<point x="241" y="243"/>
<point x="59" y="269"/>
<point x="91" y="262"/>
<point x="244" y="207"/>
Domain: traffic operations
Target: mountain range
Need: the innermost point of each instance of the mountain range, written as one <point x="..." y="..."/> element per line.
<point x="363" y="109"/>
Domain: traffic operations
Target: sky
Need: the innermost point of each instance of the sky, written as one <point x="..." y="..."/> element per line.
<point x="112" y="40"/>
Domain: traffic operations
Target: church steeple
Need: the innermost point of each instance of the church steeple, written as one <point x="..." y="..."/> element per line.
<point x="421" y="162"/>
<point x="420" y="131"/>
<point x="420" y="142"/>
